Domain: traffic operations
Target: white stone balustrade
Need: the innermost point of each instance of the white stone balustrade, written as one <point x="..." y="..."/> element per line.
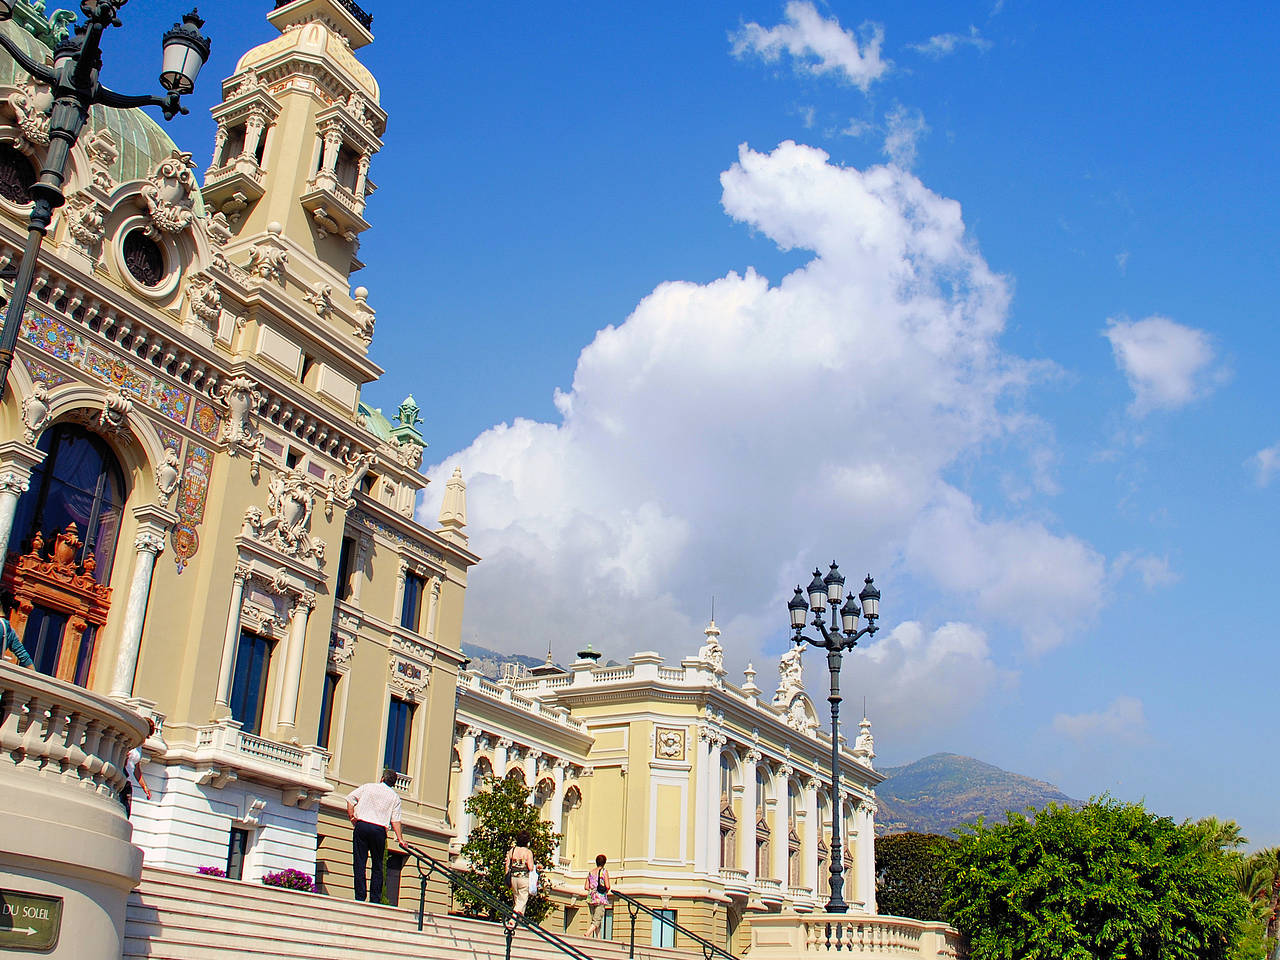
<point x="62" y="754"/>
<point x="852" y="936"/>
<point x="225" y="751"/>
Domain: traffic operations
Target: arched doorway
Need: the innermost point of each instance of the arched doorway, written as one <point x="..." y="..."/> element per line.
<point x="65" y="532"/>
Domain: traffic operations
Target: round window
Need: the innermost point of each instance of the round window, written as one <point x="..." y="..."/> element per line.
<point x="17" y="174"/>
<point x="144" y="259"/>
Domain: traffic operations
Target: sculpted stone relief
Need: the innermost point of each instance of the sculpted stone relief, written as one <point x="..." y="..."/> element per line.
<point x="35" y="410"/>
<point x="168" y="475"/>
<point x="239" y="429"/>
<point x="31" y="107"/>
<point x="286" y="525"/>
<point x="169" y="193"/>
<point x="338" y="489"/>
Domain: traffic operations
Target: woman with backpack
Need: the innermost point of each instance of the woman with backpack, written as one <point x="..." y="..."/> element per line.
<point x="598" y="887"/>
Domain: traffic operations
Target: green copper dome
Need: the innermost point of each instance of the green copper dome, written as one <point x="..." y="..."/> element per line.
<point x="140" y="139"/>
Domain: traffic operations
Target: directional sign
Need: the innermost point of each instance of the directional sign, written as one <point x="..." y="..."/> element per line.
<point x="29" y="921"/>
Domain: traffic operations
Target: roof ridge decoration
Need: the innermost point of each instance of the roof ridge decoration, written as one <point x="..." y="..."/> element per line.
<point x="50" y="30"/>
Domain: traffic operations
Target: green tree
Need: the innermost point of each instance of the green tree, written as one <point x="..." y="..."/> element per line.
<point x="1105" y="881"/>
<point x="499" y="812"/>
<point x="911" y="879"/>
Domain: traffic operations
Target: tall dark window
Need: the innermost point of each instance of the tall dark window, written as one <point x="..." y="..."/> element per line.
<point x="237" y="847"/>
<point x="399" y="729"/>
<point x="664" y="928"/>
<point x="327" y="699"/>
<point x="43" y="637"/>
<point x="16" y="175"/>
<point x="249" y="682"/>
<point x="411" y="610"/>
<point x="79" y="482"/>
<point x="343" y="586"/>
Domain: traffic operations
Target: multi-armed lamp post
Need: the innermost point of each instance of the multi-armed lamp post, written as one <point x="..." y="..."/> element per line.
<point x="843" y="634"/>
<point x="73" y="82"/>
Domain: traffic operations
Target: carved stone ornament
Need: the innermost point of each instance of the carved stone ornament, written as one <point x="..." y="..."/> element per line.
<point x="168" y="475"/>
<point x="410" y="677"/>
<point x="711" y="653"/>
<point x="169" y="194"/>
<point x="321" y="298"/>
<point x="35" y="411"/>
<point x="669" y="744"/>
<point x="800" y="715"/>
<point x="206" y="300"/>
<point x="103" y="154"/>
<point x="338" y="489"/>
<point x="85" y="219"/>
<point x="790" y="677"/>
<point x="287" y="524"/>
<point x="341" y="649"/>
<point x="115" y="411"/>
<point x="239" y="432"/>
<point x="219" y="229"/>
<point x="267" y="262"/>
<point x="31" y="108"/>
<point x="149" y="542"/>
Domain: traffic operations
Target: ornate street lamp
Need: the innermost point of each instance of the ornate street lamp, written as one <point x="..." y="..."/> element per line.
<point x="73" y="80"/>
<point x="842" y="634"/>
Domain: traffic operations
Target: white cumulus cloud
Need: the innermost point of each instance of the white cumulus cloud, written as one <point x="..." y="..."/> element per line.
<point x="1266" y="464"/>
<point x="944" y="44"/>
<point x="905" y="127"/>
<point x="727" y="436"/>
<point x="1123" y="719"/>
<point x="1168" y="365"/>
<point x="816" y="45"/>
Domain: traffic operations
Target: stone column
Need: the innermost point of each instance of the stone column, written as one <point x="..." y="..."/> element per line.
<point x="17" y="460"/>
<point x="153" y="523"/>
<point x="466" y="776"/>
<point x="531" y="758"/>
<point x="866" y="863"/>
<point x="500" y="749"/>
<point x="329" y="160"/>
<point x="357" y="573"/>
<point x="362" y="176"/>
<point x="433" y="608"/>
<point x="402" y="575"/>
<point x="557" y="796"/>
<point x="253" y="128"/>
<point x="292" y="679"/>
<point x="812" y="834"/>
<point x="747" y="817"/>
<point x="702" y="809"/>
<point x="782" y="826"/>
<point x="230" y="640"/>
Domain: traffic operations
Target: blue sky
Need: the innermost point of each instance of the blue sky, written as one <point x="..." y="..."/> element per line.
<point x="978" y="297"/>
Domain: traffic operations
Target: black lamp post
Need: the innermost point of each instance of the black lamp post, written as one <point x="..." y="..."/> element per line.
<point x="843" y="634"/>
<point x="73" y="80"/>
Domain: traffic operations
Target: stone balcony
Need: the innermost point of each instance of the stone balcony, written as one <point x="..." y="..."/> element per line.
<point x="240" y="175"/>
<point x="224" y="752"/>
<point x="735" y="881"/>
<point x="852" y="936"/>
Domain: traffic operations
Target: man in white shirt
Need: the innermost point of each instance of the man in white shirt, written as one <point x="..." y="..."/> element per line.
<point x="371" y="808"/>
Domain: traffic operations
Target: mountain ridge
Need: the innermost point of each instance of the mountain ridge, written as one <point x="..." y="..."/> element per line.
<point x="938" y="793"/>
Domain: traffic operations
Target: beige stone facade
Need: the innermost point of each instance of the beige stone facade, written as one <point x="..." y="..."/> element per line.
<point x="198" y="514"/>
<point x="709" y="799"/>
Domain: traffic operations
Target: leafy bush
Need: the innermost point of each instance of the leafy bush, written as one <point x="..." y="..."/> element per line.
<point x="1107" y="880"/>
<point x="211" y="871"/>
<point x="291" y="880"/>
<point x="911" y="879"/>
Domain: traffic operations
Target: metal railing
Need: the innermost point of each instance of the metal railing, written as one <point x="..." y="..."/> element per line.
<point x="427" y="865"/>
<point x="634" y="907"/>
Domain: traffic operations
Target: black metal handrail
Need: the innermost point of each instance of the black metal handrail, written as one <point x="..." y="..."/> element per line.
<point x="634" y="907"/>
<point x="422" y="858"/>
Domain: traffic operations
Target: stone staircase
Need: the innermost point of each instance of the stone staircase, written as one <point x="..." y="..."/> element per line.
<point x="180" y="916"/>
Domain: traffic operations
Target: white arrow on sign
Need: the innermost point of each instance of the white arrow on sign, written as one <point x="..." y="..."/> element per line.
<point x="29" y="931"/>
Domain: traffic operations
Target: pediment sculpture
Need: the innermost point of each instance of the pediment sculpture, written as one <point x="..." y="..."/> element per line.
<point x="169" y="194"/>
<point x="286" y="525"/>
<point x="32" y="108"/>
<point x="239" y="431"/>
<point x="790" y="677"/>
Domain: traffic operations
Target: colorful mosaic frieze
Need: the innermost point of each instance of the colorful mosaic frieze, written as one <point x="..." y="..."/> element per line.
<point x="38" y="371"/>
<point x="191" y="498"/>
<point x="58" y="340"/>
<point x="168" y="438"/>
<point x="374" y="525"/>
<point x="204" y="419"/>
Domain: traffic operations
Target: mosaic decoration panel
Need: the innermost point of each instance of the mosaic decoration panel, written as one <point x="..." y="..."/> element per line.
<point x="38" y="371"/>
<point x="204" y="419"/>
<point x="58" y="340"/>
<point x="191" y="498"/>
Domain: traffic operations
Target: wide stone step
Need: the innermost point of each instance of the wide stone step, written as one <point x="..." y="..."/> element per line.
<point x="180" y="916"/>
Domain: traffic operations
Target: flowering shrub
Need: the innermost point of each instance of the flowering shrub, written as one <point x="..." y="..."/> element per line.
<point x="291" y="880"/>
<point x="212" y="871"/>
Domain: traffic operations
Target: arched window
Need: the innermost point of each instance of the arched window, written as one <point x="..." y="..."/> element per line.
<point x="65" y="530"/>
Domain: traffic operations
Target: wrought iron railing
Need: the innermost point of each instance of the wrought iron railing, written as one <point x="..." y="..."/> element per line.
<point x="365" y="19"/>
<point x="635" y="907"/>
<point x="427" y="865"/>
